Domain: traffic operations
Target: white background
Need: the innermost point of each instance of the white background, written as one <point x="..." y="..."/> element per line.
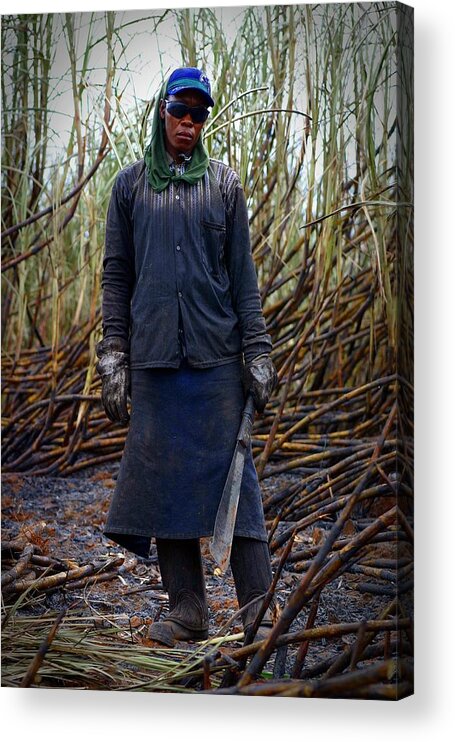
<point x="81" y="715"/>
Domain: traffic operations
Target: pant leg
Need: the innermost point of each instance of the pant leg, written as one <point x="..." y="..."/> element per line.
<point x="182" y="573"/>
<point x="252" y="572"/>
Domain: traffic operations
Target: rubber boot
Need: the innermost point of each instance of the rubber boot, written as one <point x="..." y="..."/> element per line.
<point x="252" y="572"/>
<point x="183" y="578"/>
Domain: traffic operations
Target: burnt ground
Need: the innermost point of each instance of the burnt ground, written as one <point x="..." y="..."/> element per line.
<point x="74" y="510"/>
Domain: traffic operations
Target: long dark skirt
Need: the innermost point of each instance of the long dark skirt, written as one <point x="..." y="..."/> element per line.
<point x="180" y="442"/>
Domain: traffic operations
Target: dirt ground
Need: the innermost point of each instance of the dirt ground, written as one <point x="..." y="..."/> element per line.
<point x="74" y="510"/>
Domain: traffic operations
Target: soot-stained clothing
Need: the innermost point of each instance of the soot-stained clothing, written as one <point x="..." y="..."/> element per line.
<point x="181" y="256"/>
<point x="179" y="447"/>
<point x="180" y="289"/>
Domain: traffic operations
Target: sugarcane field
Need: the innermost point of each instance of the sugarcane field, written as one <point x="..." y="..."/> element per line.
<point x="305" y="117"/>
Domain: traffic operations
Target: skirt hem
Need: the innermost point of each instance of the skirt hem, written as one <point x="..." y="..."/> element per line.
<point x="124" y="532"/>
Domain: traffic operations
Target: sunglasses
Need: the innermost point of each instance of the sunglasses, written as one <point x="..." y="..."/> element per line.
<point x="177" y="109"/>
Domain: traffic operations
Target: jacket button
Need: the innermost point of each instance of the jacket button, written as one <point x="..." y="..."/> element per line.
<point x="178" y="247"/>
<point x="177" y="197"/>
<point x="180" y="293"/>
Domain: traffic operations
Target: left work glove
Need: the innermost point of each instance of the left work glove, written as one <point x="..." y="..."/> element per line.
<point x="113" y="367"/>
<point x="260" y="378"/>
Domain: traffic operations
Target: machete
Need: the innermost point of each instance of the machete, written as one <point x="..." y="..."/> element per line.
<point x="221" y="542"/>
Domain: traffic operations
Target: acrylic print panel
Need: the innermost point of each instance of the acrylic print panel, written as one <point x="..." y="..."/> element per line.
<point x="309" y="149"/>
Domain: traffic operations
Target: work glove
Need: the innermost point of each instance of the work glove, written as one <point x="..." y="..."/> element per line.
<point x="260" y="379"/>
<point x="113" y="367"/>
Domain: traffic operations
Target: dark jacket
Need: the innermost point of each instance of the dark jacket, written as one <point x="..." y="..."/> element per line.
<point x="182" y="254"/>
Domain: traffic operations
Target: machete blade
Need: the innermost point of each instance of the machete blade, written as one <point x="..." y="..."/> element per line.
<point x="221" y="542"/>
<point x="220" y="545"/>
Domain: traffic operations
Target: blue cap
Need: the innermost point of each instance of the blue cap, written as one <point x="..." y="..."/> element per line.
<point x="190" y="78"/>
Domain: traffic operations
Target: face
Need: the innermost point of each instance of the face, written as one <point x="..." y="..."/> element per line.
<point x="181" y="135"/>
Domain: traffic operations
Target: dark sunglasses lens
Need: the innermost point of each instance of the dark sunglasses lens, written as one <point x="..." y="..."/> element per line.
<point x="179" y="110"/>
<point x="199" y="114"/>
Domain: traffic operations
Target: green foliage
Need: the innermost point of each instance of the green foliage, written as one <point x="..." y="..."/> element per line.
<point x="305" y="112"/>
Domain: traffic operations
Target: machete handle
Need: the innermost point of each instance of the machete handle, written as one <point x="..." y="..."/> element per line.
<point x="246" y="425"/>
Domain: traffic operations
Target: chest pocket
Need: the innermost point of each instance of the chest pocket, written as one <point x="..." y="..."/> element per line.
<point x="213" y="240"/>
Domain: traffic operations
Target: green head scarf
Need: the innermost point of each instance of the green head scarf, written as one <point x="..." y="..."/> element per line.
<point x="156" y="163"/>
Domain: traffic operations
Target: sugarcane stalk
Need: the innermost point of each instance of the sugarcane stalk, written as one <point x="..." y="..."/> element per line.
<point x="20" y="567"/>
<point x="30" y="675"/>
<point x="61" y="578"/>
<point x="304" y="646"/>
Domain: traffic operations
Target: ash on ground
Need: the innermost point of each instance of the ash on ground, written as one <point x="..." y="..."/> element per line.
<point x="74" y="511"/>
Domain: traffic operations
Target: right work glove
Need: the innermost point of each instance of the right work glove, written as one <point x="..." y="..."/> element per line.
<point x="260" y="379"/>
<point x="113" y="367"/>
